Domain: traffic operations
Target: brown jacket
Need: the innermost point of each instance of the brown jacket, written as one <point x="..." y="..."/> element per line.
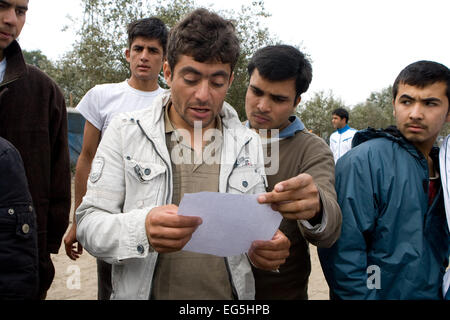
<point x="303" y="152"/>
<point x="33" y="118"/>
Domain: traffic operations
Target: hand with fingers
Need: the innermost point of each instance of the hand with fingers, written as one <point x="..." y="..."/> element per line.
<point x="269" y="255"/>
<point x="167" y="231"/>
<point x="73" y="248"/>
<point x="296" y="198"/>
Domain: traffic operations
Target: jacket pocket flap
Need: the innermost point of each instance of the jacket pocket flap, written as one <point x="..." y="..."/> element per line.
<point x="144" y="171"/>
<point x="244" y="179"/>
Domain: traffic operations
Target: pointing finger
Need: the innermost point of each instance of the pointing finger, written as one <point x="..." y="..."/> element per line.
<point x="294" y="183"/>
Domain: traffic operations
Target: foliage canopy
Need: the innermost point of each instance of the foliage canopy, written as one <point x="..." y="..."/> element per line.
<point x="98" y="56"/>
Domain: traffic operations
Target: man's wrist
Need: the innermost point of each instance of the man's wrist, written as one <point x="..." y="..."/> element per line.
<point x="317" y="219"/>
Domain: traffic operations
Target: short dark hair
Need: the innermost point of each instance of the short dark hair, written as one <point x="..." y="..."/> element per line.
<point x="421" y="74"/>
<point x="342" y="113"/>
<point x="150" y="28"/>
<point x="204" y="36"/>
<point x="282" y="62"/>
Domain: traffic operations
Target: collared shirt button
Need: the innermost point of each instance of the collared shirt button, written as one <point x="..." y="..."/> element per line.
<point x="11" y="211"/>
<point x="30" y="208"/>
<point x="25" y="228"/>
<point x="140" y="249"/>
<point x="128" y="158"/>
<point x="245" y="184"/>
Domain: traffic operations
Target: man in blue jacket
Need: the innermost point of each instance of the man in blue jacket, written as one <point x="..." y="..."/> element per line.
<point x="395" y="240"/>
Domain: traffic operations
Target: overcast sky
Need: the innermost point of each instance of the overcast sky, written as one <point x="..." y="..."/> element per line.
<point x="357" y="46"/>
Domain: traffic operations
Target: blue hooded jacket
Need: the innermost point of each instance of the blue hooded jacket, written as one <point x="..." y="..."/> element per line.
<point x="393" y="245"/>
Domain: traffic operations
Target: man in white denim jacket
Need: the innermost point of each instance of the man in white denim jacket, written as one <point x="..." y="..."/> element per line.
<point x="127" y="217"/>
<point x="444" y="162"/>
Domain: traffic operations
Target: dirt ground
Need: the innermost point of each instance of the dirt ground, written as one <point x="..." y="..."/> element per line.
<point x="77" y="280"/>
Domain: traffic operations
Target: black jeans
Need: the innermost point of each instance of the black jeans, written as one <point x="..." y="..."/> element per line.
<point x="19" y="276"/>
<point x="104" y="280"/>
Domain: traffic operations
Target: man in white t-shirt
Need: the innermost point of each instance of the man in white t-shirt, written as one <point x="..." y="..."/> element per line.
<point x="146" y="50"/>
<point x="341" y="139"/>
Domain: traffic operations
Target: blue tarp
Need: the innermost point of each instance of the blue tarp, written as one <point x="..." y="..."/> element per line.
<point x="75" y="133"/>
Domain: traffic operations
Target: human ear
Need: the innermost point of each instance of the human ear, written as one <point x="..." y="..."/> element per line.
<point x="167" y="73"/>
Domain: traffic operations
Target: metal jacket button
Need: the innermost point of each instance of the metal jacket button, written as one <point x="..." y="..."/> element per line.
<point x="26" y="228"/>
<point x="140" y="249"/>
<point x="11" y="211"/>
<point x="245" y="184"/>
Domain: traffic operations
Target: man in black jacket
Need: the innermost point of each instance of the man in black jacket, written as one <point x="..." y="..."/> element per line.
<point x="18" y="236"/>
<point x="33" y="118"/>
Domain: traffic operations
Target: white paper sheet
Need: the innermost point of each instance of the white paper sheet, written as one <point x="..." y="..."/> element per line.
<point x="231" y="222"/>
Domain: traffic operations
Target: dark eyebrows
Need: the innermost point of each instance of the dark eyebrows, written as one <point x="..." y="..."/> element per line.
<point x="272" y="96"/>
<point x="25" y="8"/>
<point x="189" y="69"/>
<point x="6" y="3"/>
<point x="405" y="96"/>
<point x="221" y="73"/>
<point x="431" y="99"/>
<point x="278" y="97"/>
<point x="153" y="48"/>
<point x="256" y="89"/>
<point x="141" y="47"/>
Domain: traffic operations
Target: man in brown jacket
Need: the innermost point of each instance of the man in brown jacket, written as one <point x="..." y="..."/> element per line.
<point x="33" y="118"/>
<point x="299" y="165"/>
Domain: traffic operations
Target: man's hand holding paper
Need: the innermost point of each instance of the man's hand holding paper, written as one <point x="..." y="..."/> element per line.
<point x="167" y="231"/>
<point x="271" y="254"/>
<point x="235" y="224"/>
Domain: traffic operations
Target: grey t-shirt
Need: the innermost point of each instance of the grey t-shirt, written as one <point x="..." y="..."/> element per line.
<point x="189" y="275"/>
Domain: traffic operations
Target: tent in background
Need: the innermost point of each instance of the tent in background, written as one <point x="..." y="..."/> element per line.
<point x="75" y="133"/>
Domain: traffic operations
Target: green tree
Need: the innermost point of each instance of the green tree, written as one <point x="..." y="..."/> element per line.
<point x="98" y="54"/>
<point x="375" y="112"/>
<point x="445" y="130"/>
<point x="38" y="59"/>
<point x="252" y="35"/>
<point x="316" y="113"/>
